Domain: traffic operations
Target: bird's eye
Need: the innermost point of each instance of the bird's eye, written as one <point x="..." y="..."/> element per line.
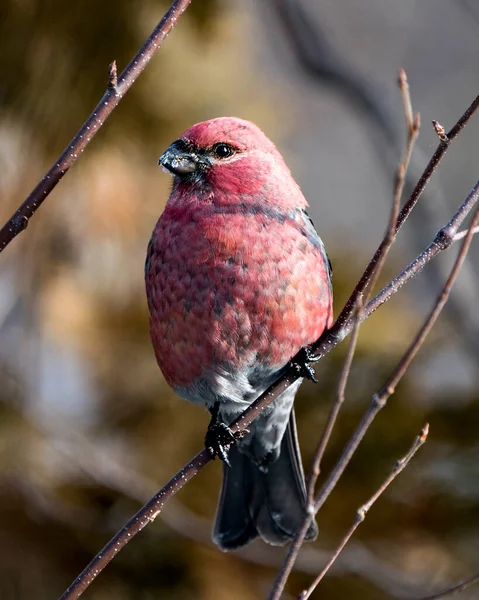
<point x="223" y="150"/>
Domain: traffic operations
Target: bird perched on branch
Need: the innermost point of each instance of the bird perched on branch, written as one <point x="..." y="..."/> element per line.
<point x="238" y="281"/>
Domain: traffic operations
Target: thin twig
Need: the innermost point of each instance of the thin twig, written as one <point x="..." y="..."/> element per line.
<point x="403" y="215"/>
<point x="146" y="514"/>
<point x="444" y="238"/>
<point x="378" y="402"/>
<point x="412" y="127"/>
<point x="413" y="123"/>
<point x="333" y="415"/>
<point x="400" y="465"/>
<point x="455" y="589"/>
<point x="462" y="234"/>
<point x="406" y="98"/>
<point x="116" y="89"/>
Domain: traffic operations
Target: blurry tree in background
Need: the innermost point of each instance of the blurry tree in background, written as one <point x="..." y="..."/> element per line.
<point x="88" y="428"/>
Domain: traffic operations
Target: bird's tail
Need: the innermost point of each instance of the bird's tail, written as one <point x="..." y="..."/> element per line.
<point x="267" y="503"/>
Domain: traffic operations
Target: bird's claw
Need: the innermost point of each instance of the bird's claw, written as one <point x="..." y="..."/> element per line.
<point x="302" y="363"/>
<point x="219" y="437"/>
<point x="218" y="440"/>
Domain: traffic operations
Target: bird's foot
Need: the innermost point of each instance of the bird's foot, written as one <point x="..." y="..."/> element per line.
<point x="219" y="437"/>
<point x="218" y="440"/>
<point x="302" y="363"/>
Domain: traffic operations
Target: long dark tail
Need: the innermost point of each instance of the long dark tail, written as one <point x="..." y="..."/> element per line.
<point x="268" y="503"/>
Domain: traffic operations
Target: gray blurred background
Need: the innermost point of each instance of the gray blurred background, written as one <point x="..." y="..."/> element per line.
<point x="89" y="429"/>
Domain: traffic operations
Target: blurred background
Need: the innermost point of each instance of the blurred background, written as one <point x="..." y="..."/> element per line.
<point x="89" y="429"/>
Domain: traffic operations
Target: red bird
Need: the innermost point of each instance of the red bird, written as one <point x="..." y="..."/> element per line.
<point x="238" y="281"/>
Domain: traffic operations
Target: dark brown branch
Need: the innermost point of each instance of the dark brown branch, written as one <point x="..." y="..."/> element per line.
<point x="146" y="514"/>
<point x="400" y="465"/>
<point x="116" y="89"/>
<point x="111" y="471"/>
<point x="378" y="402"/>
<point x="453" y="590"/>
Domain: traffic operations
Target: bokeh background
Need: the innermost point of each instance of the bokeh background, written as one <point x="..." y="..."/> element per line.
<point x="89" y="429"/>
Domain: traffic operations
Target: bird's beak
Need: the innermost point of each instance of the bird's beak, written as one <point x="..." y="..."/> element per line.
<point x="177" y="161"/>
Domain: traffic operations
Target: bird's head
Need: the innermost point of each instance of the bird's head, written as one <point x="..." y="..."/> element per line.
<point x="228" y="155"/>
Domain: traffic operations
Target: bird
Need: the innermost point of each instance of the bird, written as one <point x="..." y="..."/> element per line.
<point x="237" y="282"/>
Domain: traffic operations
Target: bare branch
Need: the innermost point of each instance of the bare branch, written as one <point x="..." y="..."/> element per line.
<point x="146" y="514"/>
<point x="412" y="125"/>
<point x="405" y="212"/>
<point x="363" y="510"/>
<point x="443" y="240"/>
<point x="404" y="89"/>
<point x="379" y="400"/>
<point x="455" y="589"/>
<point x="333" y="415"/>
<point x="116" y="89"/>
<point x="462" y="234"/>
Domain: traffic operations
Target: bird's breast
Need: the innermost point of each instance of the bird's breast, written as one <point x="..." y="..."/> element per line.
<point x="230" y="290"/>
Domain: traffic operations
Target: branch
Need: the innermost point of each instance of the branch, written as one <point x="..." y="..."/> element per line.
<point x="146" y="514"/>
<point x="438" y="155"/>
<point x="462" y="234"/>
<point x="455" y="589"/>
<point x="412" y="125"/>
<point x="378" y="402"/>
<point x="116" y="89"/>
<point x="363" y="510"/>
<point x="443" y="240"/>
<point x="333" y="415"/>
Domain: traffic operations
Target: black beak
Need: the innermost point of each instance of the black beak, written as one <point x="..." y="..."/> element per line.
<point x="179" y="161"/>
